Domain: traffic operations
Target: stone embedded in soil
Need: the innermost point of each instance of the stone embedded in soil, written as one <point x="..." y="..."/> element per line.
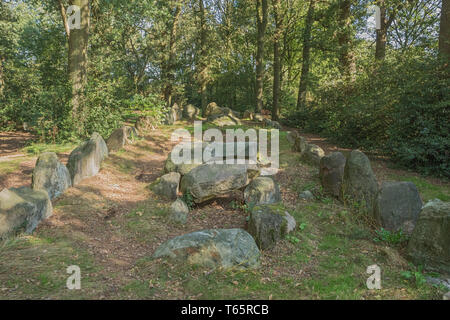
<point x="21" y="210"/>
<point x="168" y="186"/>
<point x="226" y="248"/>
<point x="397" y="206"/>
<point x="270" y="223"/>
<point x="359" y="182"/>
<point x="179" y="211"/>
<point x="331" y="173"/>
<point x="262" y="190"/>
<point x="429" y="244"/>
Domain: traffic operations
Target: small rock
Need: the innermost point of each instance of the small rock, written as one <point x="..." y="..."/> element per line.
<point x="268" y="224"/>
<point x="168" y="185"/>
<point x="447" y="296"/>
<point x="306" y="195"/>
<point x="262" y="190"/>
<point x="179" y="211"/>
<point x="313" y="154"/>
<point x="121" y="137"/>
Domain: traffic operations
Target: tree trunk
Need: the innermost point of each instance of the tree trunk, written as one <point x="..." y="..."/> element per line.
<point x="2" y="77"/>
<point x="170" y="65"/>
<point x="78" y="60"/>
<point x="203" y="67"/>
<point x="261" y="18"/>
<point x="276" y="61"/>
<point x="302" y="88"/>
<point x="444" y="32"/>
<point x="346" y="58"/>
<point x="380" y="51"/>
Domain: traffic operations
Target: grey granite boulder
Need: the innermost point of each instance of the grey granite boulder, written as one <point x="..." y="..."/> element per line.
<point x="225" y="248"/>
<point x="208" y="181"/>
<point x="50" y="175"/>
<point x="179" y="211"/>
<point x="21" y="210"/>
<point x="331" y="173"/>
<point x="86" y="159"/>
<point x="359" y="182"/>
<point x="262" y="190"/>
<point x="121" y="137"/>
<point x="397" y="206"/>
<point x="268" y="224"/>
<point x="313" y="154"/>
<point x="168" y="186"/>
<point x="429" y="244"/>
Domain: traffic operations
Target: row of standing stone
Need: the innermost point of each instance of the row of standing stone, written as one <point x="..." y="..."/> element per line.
<point x="21" y="209"/>
<point x="395" y="205"/>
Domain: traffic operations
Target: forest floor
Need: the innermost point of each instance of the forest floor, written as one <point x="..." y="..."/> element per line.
<point x="110" y="224"/>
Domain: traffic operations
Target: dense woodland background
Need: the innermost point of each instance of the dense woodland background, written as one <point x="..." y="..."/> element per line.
<point x="317" y="65"/>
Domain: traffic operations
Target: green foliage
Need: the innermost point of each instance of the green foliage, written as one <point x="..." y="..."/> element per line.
<point x="188" y="199"/>
<point x="416" y="275"/>
<point x="390" y="237"/>
<point x="400" y="108"/>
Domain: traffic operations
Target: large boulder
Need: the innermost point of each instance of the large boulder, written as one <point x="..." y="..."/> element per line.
<point x="208" y="181"/>
<point x="50" y="175"/>
<point x="179" y="211"/>
<point x="268" y="224"/>
<point x="313" y="154"/>
<point x="262" y="190"/>
<point x="429" y="244"/>
<point x="86" y="159"/>
<point x="174" y="114"/>
<point x="121" y="137"/>
<point x="331" y="173"/>
<point x="224" y="121"/>
<point x="168" y="185"/>
<point x="359" y="183"/>
<point x="212" y="109"/>
<point x="225" y="248"/>
<point x="21" y="210"/>
<point x="190" y="112"/>
<point x="397" y="206"/>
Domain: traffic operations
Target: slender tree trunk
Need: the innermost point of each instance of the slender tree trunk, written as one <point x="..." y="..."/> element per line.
<point x="203" y="67"/>
<point x="276" y="61"/>
<point x="62" y="10"/>
<point x="261" y="18"/>
<point x="170" y="67"/>
<point x="346" y="58"/>
<point x="303" y="86"/>
<point x="444" y="32"/>
<point x="2" y="77"/>
<point x="380" y="51"/>
<point x="78" y="60"/>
